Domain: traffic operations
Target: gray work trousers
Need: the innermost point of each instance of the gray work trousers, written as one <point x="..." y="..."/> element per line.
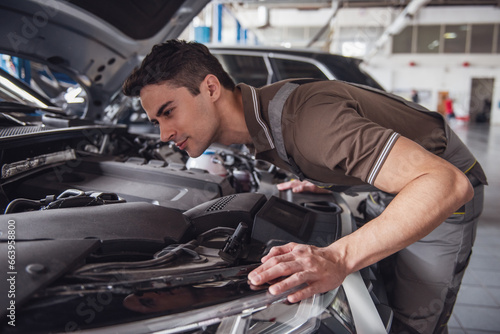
<point x="427" y="274"/>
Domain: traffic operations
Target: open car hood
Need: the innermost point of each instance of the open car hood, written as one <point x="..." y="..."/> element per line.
<point x="96" y="43"/>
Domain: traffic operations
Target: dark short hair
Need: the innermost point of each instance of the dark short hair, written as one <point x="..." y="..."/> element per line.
<point x="181" y="63"/>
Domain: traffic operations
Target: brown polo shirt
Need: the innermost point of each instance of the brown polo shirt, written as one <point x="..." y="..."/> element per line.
<point x="338" y="133"/>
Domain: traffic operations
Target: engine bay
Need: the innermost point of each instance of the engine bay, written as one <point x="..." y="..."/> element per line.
<point x="117" y="226"/>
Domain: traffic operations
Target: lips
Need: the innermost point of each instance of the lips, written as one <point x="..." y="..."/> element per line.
<point x="182" y="144"/>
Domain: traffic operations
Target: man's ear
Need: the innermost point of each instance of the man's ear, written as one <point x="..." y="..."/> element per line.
<point x="213" y="85"/>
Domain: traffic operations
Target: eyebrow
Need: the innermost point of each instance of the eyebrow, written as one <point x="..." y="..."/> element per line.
<point x="162" y="108"/>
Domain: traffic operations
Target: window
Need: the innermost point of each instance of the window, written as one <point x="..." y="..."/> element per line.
<point x="428" y="39"/>
<point x="288" y="69"/>
<point x="356" y="41"/>
<point x="498" y="37"/>
<point x="313" y="31"/>
<point x="455" y="37"/>
<point x="251" y="70"/>
<point x="481" y="38"/>
<point x="401" y="43"/>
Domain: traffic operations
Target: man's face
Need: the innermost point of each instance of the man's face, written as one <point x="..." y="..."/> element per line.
<point x="189" y="121"/>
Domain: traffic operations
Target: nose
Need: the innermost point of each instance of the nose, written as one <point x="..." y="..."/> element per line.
<point x="166" y="134"/>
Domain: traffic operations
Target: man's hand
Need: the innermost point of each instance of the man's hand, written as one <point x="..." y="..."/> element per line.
<point x="302" y="186"/>
<point x="318" y="267"/>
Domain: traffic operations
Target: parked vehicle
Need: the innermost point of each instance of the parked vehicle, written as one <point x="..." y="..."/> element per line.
<point x="258" y="66"/>
<point x="107" y="229"/>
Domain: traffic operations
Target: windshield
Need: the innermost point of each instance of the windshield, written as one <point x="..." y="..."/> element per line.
<point x="36" y="85"/>
<point x="11" y="90"/>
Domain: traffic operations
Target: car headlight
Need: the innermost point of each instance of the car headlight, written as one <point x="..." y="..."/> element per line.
<point x="263" y="313"/>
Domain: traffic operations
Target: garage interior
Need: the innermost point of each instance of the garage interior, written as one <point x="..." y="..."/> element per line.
<point x="445" y="50"/>
<point x="378" y="32"/>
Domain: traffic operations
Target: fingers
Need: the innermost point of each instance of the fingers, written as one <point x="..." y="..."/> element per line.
<point x="288" y="283"/>
<point x="287" y="185"/>
<point x="301" y="186"/>
<point x="295" y="185"/>
<point x="279" y="262"/>
<point x="275" y="267"/>
<point x="312" y="285"/>
<point x="308" y="291"/>
<point x="295" y="265"/>
<point x="278" y="250"/>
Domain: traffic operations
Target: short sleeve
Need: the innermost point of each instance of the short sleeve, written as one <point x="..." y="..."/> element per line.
<point x="331" y="133"/>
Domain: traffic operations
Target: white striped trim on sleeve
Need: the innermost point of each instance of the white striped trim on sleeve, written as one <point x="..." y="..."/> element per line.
<point x="381" y="158"/>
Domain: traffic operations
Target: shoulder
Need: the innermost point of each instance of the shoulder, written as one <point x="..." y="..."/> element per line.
<point x="319" y="100"/>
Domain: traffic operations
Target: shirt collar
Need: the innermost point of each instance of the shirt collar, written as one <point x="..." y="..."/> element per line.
<point x="257" y="126"/>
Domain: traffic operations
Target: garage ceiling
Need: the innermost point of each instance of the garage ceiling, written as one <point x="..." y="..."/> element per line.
<point x="249" y="14"/>
<point x="402" y="3"/>
<point x="359" y="3"/>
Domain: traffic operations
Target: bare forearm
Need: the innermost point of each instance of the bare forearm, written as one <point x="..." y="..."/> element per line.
<point x="429" y="190"/>
<point x="418" y="208"/>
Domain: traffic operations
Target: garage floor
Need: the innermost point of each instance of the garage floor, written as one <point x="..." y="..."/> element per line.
<point x="478" y="306"/>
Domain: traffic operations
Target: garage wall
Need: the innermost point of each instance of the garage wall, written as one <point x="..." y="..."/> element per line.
<point x="432" y="74"/>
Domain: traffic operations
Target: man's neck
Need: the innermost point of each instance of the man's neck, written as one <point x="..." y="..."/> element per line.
<point x="233" y="125"/>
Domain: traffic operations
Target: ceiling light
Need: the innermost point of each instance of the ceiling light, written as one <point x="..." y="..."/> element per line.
<point x="450" y="35"/>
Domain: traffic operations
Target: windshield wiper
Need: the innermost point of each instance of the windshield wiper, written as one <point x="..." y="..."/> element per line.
<point x="10" y="120"/>
<point x="9" y="106"/>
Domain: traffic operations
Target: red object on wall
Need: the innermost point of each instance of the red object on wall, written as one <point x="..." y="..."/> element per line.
<point x="412" y="63"/>
<point x="465" y="64"/>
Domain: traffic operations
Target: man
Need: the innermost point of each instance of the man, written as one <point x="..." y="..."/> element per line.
<point x="334" y="133"/>
<point x="414" y="96"/>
